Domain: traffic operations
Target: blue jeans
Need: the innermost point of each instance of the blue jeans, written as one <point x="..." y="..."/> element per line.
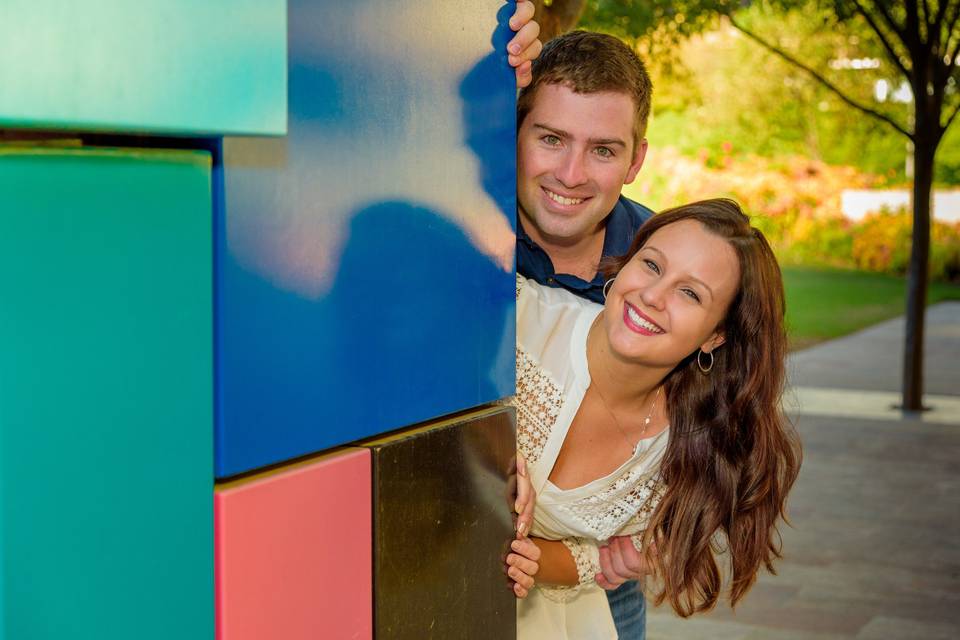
<point x="629" y="611"/>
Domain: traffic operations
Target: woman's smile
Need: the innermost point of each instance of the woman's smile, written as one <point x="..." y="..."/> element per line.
<point x="639" y="322"/>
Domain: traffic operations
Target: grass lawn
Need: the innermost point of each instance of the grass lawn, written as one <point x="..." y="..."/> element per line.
<point x="827" y="303"/>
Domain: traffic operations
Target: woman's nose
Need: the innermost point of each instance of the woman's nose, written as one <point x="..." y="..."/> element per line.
<point x="653" y="296"/>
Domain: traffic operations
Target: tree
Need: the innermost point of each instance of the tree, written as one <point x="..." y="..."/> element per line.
<point x="557" y="16"/>
<point x="920" y="40"/>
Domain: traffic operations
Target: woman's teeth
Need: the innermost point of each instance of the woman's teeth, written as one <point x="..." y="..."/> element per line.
<point x="637" y="319"/>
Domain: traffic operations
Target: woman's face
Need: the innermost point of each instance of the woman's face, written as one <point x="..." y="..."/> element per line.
<point x="670" y="299"/>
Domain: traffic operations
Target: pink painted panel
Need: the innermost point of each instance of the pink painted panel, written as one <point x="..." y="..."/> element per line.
<point x="294" y="552"/>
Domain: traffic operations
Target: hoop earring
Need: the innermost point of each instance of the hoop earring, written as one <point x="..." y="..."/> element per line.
<point x="606" y="286"/>
<point x="700" y="364"/>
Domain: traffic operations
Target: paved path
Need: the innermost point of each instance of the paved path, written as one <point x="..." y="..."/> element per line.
<point x="874" y="551"/>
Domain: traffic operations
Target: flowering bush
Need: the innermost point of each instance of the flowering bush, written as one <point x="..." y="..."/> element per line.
<point x="796" y="202"/>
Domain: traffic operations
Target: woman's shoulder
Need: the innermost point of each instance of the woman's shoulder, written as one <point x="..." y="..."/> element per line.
<point x="552" y="296"/>
<point x="552" y="326"/>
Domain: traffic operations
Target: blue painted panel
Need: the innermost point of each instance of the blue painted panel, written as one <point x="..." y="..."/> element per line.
<point x="154" y="66"/>
<point x="365" y="262"/>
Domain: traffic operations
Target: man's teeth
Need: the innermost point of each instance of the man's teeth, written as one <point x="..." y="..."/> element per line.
<point x="561" y="200"/>
<point x="635" y="317"/>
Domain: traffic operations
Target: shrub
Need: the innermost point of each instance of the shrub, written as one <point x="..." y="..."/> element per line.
<point x="796" y="202"/>
<point x="882" y="241"/>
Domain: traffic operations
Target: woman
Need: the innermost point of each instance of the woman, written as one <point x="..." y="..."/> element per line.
<point x="655" y="416"/>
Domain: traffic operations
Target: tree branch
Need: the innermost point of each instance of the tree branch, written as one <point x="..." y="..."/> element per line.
<point x="951" y="22"/>
<point x="819" y="78"/>
<point x="900" y="31"/>
<point x="941" y="14"/>
<point x="883" y="39"/>
<point x="913" y="38"/>
<point x="925" y="15"/>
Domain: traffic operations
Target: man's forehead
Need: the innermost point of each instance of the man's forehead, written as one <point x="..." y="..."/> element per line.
<point x="599" y="111"/>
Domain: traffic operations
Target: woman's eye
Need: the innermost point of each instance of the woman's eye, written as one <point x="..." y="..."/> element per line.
<point x="653" y="266"/>
<point x="604" y="152"/>
<point x="692" y="295"/>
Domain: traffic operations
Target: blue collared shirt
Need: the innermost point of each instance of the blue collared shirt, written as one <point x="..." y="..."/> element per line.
<point x="622" y="225"/>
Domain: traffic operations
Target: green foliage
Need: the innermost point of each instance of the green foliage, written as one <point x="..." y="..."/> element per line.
<point x="947" y="167"/>
<point x="711" y="96"/>
<point x="665" y="20"/>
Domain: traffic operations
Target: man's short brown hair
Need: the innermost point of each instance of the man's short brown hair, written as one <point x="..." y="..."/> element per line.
<point x="590" y="62"/>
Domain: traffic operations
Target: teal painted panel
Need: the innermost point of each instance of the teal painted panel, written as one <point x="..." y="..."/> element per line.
<point x="106" y="460"/>
<point x="189" y="67"/>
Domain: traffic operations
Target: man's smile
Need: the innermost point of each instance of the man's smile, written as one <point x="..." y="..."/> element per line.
<point x="561" y="199"/>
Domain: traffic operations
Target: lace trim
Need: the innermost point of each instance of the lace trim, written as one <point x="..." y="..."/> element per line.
<point x="538" y="402"/>
<point x="587" y="559"/>
<point x="559" y="594"/>
<point x="626" y="498"/>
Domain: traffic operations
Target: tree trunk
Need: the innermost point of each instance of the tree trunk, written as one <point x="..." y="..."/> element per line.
<point x="925" y="149"/>
<point x="557" y="16"/>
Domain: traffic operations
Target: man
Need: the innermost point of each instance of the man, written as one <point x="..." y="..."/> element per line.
<point x="580" y="139"/>
<point x="581" y="125"/>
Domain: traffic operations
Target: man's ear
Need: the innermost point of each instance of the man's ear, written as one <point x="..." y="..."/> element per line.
<point x="639" y="154"/>
<point x="716" y="339"/>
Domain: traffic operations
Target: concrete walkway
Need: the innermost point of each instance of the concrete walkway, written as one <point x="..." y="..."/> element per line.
<point x="874" y="551"/>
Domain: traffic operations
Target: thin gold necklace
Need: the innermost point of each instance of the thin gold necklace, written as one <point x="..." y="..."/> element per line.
<point x="646" y="421"/>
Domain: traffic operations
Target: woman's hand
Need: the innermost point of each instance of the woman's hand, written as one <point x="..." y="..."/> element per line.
<point x="521" y="496"/>
<point x="523" y="563"/>
<point x="619" y="562"/>
<point x="526" y="45"/>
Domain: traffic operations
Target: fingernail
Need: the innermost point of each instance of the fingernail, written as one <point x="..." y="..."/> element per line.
<point x="521" y="528"/>
<point x="515" y="545"/>
<point x="514" y="48"/>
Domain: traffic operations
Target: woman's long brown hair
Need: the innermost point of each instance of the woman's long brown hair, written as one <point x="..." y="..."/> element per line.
<point x="732" y="456"/>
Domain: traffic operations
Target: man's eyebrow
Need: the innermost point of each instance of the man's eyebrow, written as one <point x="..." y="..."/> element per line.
<point x="560" y="133"/>
<point x="608" y="142"/>
<point x="689" y="277"/>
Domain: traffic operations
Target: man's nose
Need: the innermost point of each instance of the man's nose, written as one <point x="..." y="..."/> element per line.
<point x="571" y="172"/>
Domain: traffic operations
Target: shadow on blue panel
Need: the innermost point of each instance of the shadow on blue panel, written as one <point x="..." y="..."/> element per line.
<point x="338" y="321"/>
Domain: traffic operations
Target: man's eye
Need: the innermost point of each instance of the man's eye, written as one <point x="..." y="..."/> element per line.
<point x="692" y="295"/>
<point x="604" y="152"/>
<point x="551" y="140"/>
<point x="653" y="266"/>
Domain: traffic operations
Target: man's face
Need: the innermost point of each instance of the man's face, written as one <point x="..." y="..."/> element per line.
<point x="574" y="154"/>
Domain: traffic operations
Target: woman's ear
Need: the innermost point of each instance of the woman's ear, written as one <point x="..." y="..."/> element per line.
<point x="716" y="339"/>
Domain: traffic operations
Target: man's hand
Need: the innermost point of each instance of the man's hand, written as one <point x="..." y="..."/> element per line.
<point x="523" y="563"/>
<point x="526" y="45"/>
<point x="619" y="562"/>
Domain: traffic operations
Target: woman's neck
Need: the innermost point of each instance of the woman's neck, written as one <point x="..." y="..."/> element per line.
<point x="627" y="386"/>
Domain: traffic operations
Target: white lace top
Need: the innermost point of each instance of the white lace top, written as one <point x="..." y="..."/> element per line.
<point x="552" y="378"/>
